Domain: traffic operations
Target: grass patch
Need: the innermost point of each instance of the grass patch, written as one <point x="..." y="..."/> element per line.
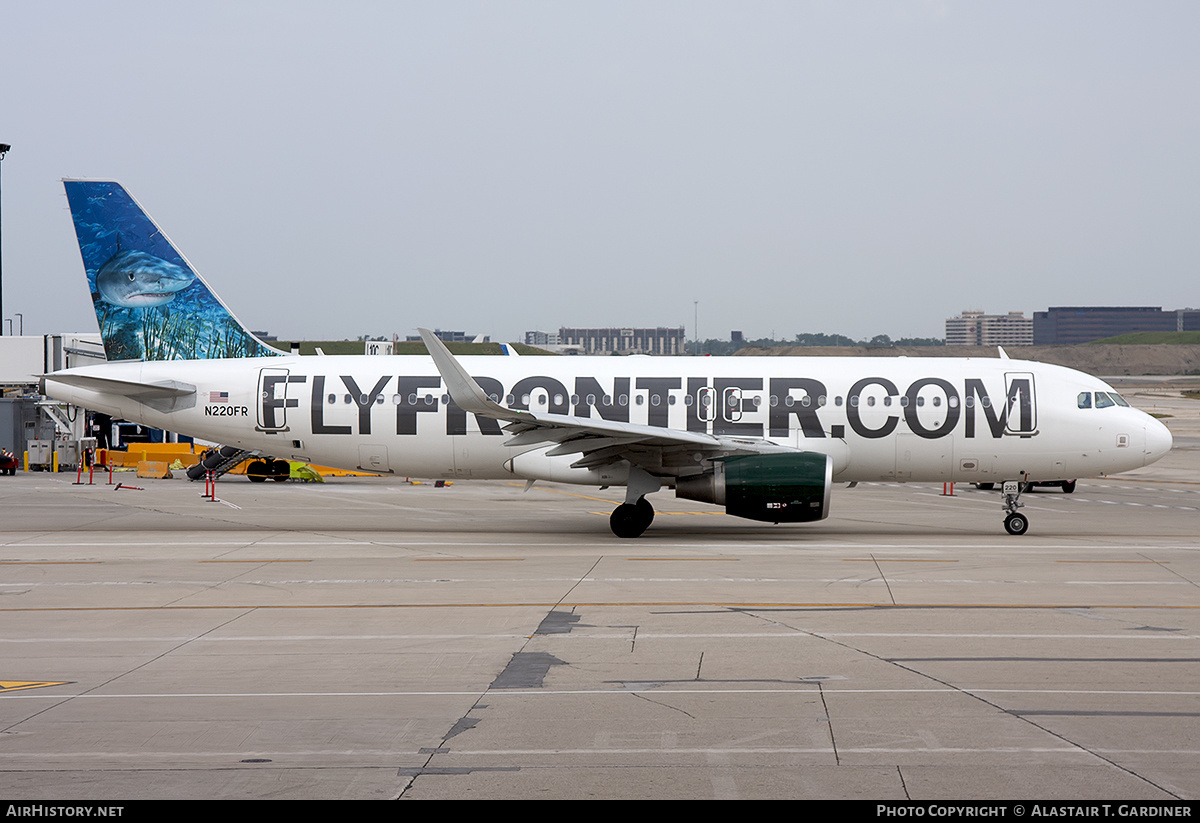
<point x="1153" y="338"/>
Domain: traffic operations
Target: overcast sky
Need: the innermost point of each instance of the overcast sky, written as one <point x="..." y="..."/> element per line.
<point x="842" y="167"/>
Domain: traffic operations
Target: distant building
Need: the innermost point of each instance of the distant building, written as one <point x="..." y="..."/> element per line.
<point x="1062" y="325"/>
<point x="624" y="341"/>
<point x="541" y="338"/>
<point x="1187" y="320"/>
<point x="974" y="328"/>
<point x="453" y="337"/>
<point x="736" y="337"/>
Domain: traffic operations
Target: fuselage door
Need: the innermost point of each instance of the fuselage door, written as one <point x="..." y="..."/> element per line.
<point x="273" y="400"/>
<point x="1021" y="403"/>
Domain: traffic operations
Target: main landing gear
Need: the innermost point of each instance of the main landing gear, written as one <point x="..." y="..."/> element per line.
<point x="1015" y="523"/>
<point x="261" y="470"/>
<point x="631" y="519"/>
<point x="635" y="515"/>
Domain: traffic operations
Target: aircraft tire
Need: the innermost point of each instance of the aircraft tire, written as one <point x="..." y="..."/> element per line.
<point x="1068" y="487"/>
<point x="985" y="487"/>
<point x="280" y="470"/>
<point x="257" y="471"/>
<point x="631" y="519"/>
<point x="645" y="511"/>
<point x="1016" y="524"/>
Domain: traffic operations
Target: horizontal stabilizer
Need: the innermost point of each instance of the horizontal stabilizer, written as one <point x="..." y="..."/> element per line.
<point x="166" y="389"/>
<point x="164" y="395"/>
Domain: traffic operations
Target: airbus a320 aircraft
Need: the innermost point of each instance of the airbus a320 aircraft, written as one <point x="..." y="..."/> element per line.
<point x="766" y="438"/>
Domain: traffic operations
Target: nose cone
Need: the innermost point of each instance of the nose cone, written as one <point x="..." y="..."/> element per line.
<point x="1158" y="440"/>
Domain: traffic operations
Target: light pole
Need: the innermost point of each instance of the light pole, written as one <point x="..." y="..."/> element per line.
<point x="21" y="324"/>
<point x="4" y="147"/>
<point x="696" y="324"/>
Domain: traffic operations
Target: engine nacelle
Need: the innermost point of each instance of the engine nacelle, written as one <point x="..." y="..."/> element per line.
<point x="776" y="488"/>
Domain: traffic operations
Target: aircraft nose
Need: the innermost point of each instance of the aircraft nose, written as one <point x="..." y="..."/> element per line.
<point x="1158" y="440"/>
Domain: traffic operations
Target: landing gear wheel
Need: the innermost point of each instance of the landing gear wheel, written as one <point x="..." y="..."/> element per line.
<point x="280" y="470"/>
<point x="631" y="519"/>
<point x="257" y="471"/>
<point x="1016" y="524"/>
<point x="985" y="487"/>
<point x="1068" y="486"/>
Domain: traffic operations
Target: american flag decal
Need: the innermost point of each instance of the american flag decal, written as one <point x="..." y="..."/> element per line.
<point x="218" y="397"/>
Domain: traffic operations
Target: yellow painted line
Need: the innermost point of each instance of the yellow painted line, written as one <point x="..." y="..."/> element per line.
<point x="571" y="494"/>
<point x="21" y="685"/>
<point x="635" y="604"/>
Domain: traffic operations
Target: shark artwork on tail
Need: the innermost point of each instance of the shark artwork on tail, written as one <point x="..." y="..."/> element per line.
<point x="150" y="303"/>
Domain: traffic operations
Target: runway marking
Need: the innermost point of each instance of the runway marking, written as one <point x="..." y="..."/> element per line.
<point x="790" y="540"/>
<point x="803" y="634"/>
<point x="440" y="581"/>
<point x="7" y="686"/>
<point x="690" y="752"/>
<point x="615" y="604"/>
<point x="801" y="689"/>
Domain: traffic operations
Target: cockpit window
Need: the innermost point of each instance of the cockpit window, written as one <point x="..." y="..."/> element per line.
<point x="1120" y="401"/>
<point x="1085" y="400"/>
<point x="1103" y="400"/>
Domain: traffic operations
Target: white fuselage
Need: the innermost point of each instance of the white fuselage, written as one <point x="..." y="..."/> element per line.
<point x="897" y="419"/>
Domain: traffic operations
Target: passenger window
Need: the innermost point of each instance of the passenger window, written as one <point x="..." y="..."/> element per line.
<point x="1085" y="400"/>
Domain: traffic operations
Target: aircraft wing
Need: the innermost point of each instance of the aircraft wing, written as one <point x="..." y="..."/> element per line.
<point x="598" y="442"/>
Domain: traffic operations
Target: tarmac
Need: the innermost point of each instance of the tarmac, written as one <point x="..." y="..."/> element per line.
<point x="370" y="639"/>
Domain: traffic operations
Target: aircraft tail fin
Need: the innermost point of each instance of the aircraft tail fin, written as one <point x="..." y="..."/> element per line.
<point x="150" y="303"/>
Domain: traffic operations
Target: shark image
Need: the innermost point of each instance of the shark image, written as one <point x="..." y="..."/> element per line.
<point x="135" y="279"/>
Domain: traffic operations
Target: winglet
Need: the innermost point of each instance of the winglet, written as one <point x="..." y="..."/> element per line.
<point x="466" y="393"/>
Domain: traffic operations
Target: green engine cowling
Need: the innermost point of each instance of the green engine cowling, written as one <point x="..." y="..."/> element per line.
<point x="775" y="488"/>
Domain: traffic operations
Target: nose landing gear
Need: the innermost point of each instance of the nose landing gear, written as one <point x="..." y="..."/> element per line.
<point x="1015" y="523"/>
